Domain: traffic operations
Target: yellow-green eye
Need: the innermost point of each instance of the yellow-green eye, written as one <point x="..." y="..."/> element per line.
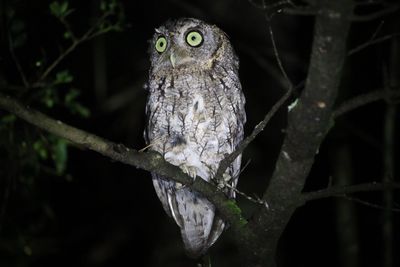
<point x="194" y="38"/>
<point x="161" y="44"/>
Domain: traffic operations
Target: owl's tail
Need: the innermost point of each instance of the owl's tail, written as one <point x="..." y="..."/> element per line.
<point x="196" y="241"/>
<point x="194" y="214"/>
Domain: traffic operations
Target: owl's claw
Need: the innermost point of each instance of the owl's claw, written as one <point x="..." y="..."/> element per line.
<point x="225" y="182"/>
<point x="189" y="170"/>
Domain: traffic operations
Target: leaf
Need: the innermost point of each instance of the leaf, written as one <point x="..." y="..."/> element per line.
<point x="103" y="6"/>
<point x="9" y="118"/>
<point x="71" y="96"/>
<point x="40" y="149"/>
<point x="49" y="102"/>
<point x="67" y="35"/>
<point x="75" y="107"/>
<point x="55" y="9"/>
<point x="82" y="110"/>
<point x="59" y="10"/>
<point x="60" y="155"/>
<point x="63" y="77"/>
<point x="64" y="7"/>
<point x="50" y="97"/>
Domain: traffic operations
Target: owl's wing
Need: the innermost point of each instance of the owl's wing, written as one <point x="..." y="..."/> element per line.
<point x="162" y="186"/>
<point x="194" y="214"/>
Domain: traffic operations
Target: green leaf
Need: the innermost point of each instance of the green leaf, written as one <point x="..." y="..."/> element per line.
<point x="71" y="96"/>
<point x="67" y="35"/>
<point x="49" y="102"/>
<point x="103" y="6"/>
<point x="82" y="110"/>
<point x="40" y="149"/>
<point x="9" y="118"/>
<point x="63" y="77"/>
<point x="64" y="7"/>
<point x="59" y="9"/>
<point x="55" y="9"/>
<point x="75" y="107"/>
<point x="60" y="155"/>
<point x="112" y="5"/>
<point x="49" y="97"/>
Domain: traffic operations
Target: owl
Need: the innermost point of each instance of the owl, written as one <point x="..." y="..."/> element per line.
<point x="195" y="117"/>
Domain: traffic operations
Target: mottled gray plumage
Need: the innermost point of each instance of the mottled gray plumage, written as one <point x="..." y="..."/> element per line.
<point x="195" y="116"/>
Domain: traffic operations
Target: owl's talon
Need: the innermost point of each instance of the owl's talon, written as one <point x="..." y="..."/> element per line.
<point x="189" y="170"/>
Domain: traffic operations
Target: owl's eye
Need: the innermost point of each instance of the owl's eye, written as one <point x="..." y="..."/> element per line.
<point x="161" y="44"/>
<point x="194" y="38"/>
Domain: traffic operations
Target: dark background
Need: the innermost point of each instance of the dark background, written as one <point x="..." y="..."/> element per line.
<point x="103" y="213"/>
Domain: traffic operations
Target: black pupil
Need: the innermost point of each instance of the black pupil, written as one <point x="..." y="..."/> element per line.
<point x="161" y="43"/>
<point x="193" y="38"/>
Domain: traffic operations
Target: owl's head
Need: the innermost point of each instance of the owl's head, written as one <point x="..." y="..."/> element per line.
<point x="189" y="44"/>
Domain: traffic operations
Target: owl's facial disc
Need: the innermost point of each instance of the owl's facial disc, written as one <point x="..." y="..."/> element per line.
<point x="187" y="44"/>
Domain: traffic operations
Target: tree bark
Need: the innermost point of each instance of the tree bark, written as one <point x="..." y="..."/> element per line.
<point x="308" y="123"/>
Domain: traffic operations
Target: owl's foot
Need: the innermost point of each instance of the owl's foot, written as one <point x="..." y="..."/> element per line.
<point x="225" y="182"/>
<point x="189" y="170"/>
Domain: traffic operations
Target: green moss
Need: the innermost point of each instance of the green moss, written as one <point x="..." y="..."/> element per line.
<point x="231" y="205"/>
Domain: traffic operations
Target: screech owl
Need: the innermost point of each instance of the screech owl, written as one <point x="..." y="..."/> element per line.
<point x="195" y="116"/>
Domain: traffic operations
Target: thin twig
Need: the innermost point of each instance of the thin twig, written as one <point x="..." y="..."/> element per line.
<point x="262" y="6"/>
<point x="301" y="11"/>
<point x="244" y="167"/>
<point x="365" y="99"/>
<point x="372" y="42"/>
<point x="16" y="62"/>
<point x="334" y="191"/>
<point x="375" y="15"/>
<point x="89" y="34"/>
<point x="55" y="63"/>
<point x="227" y="161"/>
<point x="68" y="28"/>
<point x="368" y="3"/>
<point x="256" y="200"/>
<point x="276" y="6"/>
<point x="369" y="204"/>
<point x="277" y="57"/>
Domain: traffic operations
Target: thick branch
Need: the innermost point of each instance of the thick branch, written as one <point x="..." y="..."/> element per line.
<point x="150" y="161"/>
<point x="308" y="122"/>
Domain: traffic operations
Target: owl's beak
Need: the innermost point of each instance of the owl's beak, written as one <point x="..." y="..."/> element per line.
<point x="172" y="58"/>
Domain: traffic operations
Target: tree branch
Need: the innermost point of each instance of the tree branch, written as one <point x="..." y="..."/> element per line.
<point x="92" y="32"/>
<point x="376" y="15"/>
<point x="227" y="161"/>
<point x="149" y="161"/>
<point x="301" y="11"/>
<point x="365" y="99"/>
<point x="372" y="41"/>
<point x="335" y="191"/>
<point x="308" y="122"/>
